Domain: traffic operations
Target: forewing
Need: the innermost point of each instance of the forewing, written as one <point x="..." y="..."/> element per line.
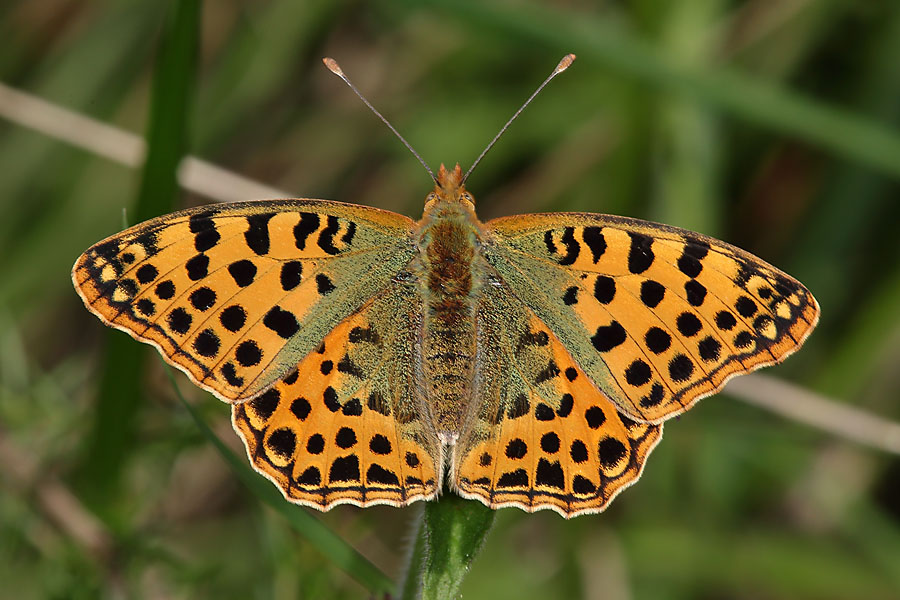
<point x="235" y="295"/>
<point x="657" y="317"/>
<point x="349" y="425"/>
<point x="543" y="436"/>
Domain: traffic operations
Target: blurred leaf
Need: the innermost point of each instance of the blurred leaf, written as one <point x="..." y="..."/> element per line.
<point x="850" y="135"/>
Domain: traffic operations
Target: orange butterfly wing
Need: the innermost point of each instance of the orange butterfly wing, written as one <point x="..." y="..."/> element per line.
<point x="235" y="295"/>
<point x="543" y="435"/>
<point x="658" y="317"/>
<point x="349" y="425"/>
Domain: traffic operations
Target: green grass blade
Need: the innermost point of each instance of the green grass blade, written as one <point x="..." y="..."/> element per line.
<point x="120" y="394"/>
<point x="319" y="535"/>
<point x="411" y="580"/>
<point x="452" y="532"/>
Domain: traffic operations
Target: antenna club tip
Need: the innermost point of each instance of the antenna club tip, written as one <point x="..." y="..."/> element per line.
<point x="333" y="66"/>
<point x="565" y="63"/>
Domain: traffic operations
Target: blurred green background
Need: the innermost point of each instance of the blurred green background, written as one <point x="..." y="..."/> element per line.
<point x="772" y="124"/>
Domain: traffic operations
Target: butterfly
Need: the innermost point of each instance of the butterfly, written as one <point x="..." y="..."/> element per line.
<point x="526" y="361"/>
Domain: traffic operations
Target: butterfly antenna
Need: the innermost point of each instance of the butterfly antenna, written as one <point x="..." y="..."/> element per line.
<point x="336" y="69"/>
<point x="564" y="64"/>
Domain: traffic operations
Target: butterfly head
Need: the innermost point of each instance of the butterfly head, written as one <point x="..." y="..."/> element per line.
<point x="449" y="188"/>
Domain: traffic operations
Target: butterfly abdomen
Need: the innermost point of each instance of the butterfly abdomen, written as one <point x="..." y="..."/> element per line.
<point x="449" y="283"/>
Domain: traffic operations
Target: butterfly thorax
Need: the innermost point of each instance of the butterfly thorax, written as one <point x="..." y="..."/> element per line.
<point x="449" y="235"/>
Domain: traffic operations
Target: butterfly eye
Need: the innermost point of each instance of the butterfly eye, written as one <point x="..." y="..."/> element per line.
<point x="467" y="196"/>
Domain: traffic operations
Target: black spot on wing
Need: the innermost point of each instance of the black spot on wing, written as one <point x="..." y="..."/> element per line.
<point x="652" y="293"/>
<point x="578" y="452"/>
<point x="248" y="353"/>
<point x="291" y="275"/>
<point x="197" y="267"/>
<point x="548" y="372"/>
<point x="638" y="373"/>
<point x="378" y="474"/>
<point x="654" y="397"/>
<point x="233" y="318"/>
<point x="311" y="476"/>
<point x="519" y="407"/>
<point x="179" y="320"/>
<point x="657" y="340"/>
<point x="689" y="261"/>
<point x="548" y="241"/>
<point x="572" y="246"/>
<point x="640" y="255"/>
<point x="146" y="273"/>
<point x="543" y="412"/>
<point x="516" y="449"/>
<point x="345" y="468"/>
<point x="265" y="404"/>
<point x="380" y="445"/>
<point x="301" y="408"/>
<point x="348" y="367"/>
<point x="517" y="478"/>
<point x="291" y="378"/>
<point x="604" y="289"/>
<point x="201" y="221"/>
<point x="309" y="222"/>
<point x="595" y="417"/>
<point x="324" y="284"/>
<point x="681" y="368"/>
<point x="282" y="322"/>
<point x="695" y="292"/>
<point x="550" y="443"/>
<point x="352" y="408"/>
<point x="230" y="374"/>
<point x="593" y="237"/>
<point x="725" y="320"/>
<point x="347" y="238"/>
<point x="550" y="474"/>
<point x="206" y="239"/>
<point x="243" y="272"/>
<point x="368" y="335"/>
<point x="345" y="438"/>
<point x="566" y="403"/>
<point x="282" y="442"/>
<point x="609" y="336"/>
<point x="315" y="444"/>
<point x="330" y="398"/>
<point x="582" y="485"/>
<point x="207" y="343"/>
<point x="611" y="452"/>
<point x="165" y="290"/>
<point x="257" y="234"/>
<point x="709" y="349"/>
<point x="745" y="306"/>
<point x="326" y="238"/>
<point x="146" y="307"/>
<point x="530" y="338"/>
<point x="688" y="324"/>
<point x="203" y="298"/>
